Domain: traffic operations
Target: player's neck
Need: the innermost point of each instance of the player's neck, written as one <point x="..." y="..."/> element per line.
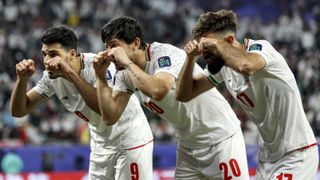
<point x="239" y="45"/>
<point x="140" y="59"/>
<point x="77" y="64"/>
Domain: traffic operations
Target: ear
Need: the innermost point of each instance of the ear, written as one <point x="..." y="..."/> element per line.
<point x="229" y="38"/>
<point x="136" y="43"/>
<point x="72" y="53"/>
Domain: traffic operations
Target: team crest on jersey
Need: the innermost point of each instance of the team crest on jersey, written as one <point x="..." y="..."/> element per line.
<point x="164" y="61"/>
<point x="108" y="75"/>
<point x="255" y="47"/>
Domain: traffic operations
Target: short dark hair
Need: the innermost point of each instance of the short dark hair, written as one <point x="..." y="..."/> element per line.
<point x="62" y="35"/>
<point x="220" y="21"/>
<point x="123" y="28"/>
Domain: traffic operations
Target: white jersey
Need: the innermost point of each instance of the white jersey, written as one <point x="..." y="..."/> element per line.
<point x="272" y="100"/>
<point x="130" y="131"/>
<point x="203" y="121"/>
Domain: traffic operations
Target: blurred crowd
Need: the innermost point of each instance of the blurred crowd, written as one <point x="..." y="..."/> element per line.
<point x="293" y="27"/>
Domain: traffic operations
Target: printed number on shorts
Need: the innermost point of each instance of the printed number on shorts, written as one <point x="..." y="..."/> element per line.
<point x="134" y="168"/>
<point x="283" y="176"/>
<point x="244" y="98"/>
<point x="82" y="116"/>
<point x="153" y="107"/>
<point x="235" y="169"/>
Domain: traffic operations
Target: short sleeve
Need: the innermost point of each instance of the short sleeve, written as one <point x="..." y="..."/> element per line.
<point x="265" y="49"/>
<point x="43" y="87"/>
<point x="121" y="82"/>
<point x="168" y="59"/>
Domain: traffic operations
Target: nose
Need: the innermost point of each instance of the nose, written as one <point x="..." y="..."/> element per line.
<point x="45" y="59"/>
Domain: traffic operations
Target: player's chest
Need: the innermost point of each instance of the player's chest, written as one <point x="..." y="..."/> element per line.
<point x="165" y="107"/>
<point x="69" y="96"/>
<point x="241" y="89"/>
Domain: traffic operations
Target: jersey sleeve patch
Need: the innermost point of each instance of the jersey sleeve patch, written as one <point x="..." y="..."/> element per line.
<point x="108" y="75"/>
<point x="164" y="61"/>
<point x="255" y="47"/>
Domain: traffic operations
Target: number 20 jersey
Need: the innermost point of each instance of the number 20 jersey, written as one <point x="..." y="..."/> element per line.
<point x="203" y="121"/>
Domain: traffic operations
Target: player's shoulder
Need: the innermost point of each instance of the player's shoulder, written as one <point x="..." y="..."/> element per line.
<point x="159" y="50"/>
<point x="257" y="45"/>
<point x="157" y="46"/>
<point x="87" y="56"/>
<point x="86" y="59"/>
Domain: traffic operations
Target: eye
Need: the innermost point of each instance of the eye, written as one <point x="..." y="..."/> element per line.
<point x="52" y="54"/>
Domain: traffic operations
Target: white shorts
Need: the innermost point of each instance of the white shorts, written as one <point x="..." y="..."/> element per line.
<point x="133" y="164"/>
<point x="225" y="160"/>
<point x="297" y="165"/>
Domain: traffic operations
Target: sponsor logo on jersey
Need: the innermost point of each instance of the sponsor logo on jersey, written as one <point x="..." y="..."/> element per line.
<point x="164" y="61"/>
<point x="108" y="75"/>
<point x="255" y="47"/>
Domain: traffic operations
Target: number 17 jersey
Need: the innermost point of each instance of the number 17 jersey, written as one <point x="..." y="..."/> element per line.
<point x="272" y="100"/>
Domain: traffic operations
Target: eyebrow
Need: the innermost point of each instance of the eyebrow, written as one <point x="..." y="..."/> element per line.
<point x="50" y="51"/>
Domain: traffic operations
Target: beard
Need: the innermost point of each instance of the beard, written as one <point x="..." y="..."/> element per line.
<point x="53" y="75"/>
<point x="214" y="62"/>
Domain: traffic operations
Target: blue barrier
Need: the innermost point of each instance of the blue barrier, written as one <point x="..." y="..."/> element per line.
<point x="76" y="157"/>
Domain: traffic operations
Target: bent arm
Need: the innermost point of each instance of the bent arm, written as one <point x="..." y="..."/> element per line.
<point x="240" y="60"/>
<point x="23" y="102"/>
<point x="189" y="87"/>
<point x="87" y="91"/>
<point x="111" y="104"/>
<point x="155" y="86"/>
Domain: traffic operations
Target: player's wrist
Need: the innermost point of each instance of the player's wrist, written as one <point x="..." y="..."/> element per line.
<point x="100" y="76"/>
<point x="126" y="65"/>
<point x="23" y="78"/>
<point x="192" y="58"/>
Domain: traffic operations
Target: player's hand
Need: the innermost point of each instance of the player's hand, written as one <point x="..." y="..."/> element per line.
<point x="25" y="69"/>
<point x="57" y="64"/>
<point x="192" y="49"/>
<point x="208" y="45"/>
<point x="101" y="62"/>
<point x="119" y="56"/>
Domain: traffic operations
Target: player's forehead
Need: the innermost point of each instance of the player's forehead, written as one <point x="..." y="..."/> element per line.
<point x="52" y="47"/>
<point x="114" y="41"/>
<point x="214" y="35"/>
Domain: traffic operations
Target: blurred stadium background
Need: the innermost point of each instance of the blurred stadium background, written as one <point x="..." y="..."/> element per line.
<point x="52" y="144"/>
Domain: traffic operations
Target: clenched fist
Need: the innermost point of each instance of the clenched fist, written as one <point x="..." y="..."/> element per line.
<point x="25" y="69"/>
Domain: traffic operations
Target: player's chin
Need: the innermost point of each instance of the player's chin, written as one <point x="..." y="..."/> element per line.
<point x="214" y="64"/>
<point x="53" y="75"/>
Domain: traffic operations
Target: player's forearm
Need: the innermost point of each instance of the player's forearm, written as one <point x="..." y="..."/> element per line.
<point x="235" y="58"/>
<point x="147" y="84"/>
<point x="18" y="101"/>
<point x="107" y="104"/>
<point x="88" y="92"/>
<point x="185" y="81"/>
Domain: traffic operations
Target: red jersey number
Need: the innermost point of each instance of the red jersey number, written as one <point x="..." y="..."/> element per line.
<point x="153" y="107"/>
<point x="82" y="116"/>
<point x="284" y="177"/>
<point x="245" y="99"/>
<point x="235" y="169"/>
<point x="134" y="169"/>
